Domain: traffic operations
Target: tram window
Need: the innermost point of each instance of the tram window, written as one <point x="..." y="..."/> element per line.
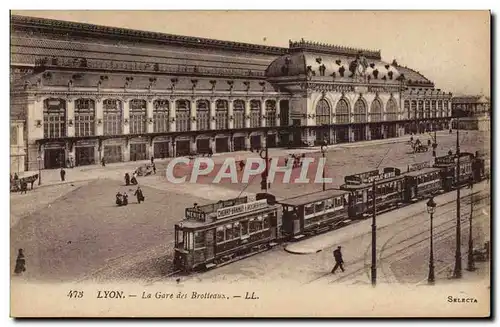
<point x="253" y="225"/>
<point x="309" y="209"/>
<point x="265" y="223"/>
<point x="244" y="227"/>
<point x="320" y="206"/>
<point x="180" y="237"/>
<point x="329" y="204"/>
<point x="220" y="234"/>
<point x="237" y="230"/>
<point x="189" y="241"/>
<point x="229" y="232"/>
<point x="199" y="239"/>
<point x="338" y="202"/>
<point x="359" y="196"/>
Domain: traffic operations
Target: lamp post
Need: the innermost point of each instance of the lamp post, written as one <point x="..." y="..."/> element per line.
<point x="39" y="170"/>
<point x="470" y="255"/>
<point x="324" y="148"/>
<point x="457" y="273"/>
<point x="431" y="208"/>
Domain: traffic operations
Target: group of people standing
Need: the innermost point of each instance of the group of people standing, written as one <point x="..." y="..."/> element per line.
<point x="122" y="198"/>
<point x="297" y="160"/>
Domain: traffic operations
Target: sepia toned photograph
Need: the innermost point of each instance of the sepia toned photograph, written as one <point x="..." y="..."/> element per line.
<point x="250" y="164"/>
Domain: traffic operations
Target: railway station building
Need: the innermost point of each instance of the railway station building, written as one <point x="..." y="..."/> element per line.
<point x="82" y="92"/>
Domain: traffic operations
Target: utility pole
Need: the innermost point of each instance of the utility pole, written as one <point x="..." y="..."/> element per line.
<point x="458" y="254"/>
<point x="470" y="255"/>
<point x="374" y="236"/>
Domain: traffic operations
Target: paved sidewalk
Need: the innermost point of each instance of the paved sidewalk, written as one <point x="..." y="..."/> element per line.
<point x="85" y="173"/>
<point x="327" y="240"/>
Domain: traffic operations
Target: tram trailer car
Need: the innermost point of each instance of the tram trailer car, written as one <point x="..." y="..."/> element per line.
<point x="389" y="190"/>
<point x="422" y="181"/>
<point x="216" y="233"/>
<point x="314" y="213"/>
<point x="448" y="166"/>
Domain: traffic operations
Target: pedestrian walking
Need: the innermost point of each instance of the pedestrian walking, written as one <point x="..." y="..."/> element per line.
<point x="140" y="196"/>
<point x="63" y="174"/>
<point x="339" y="262"/>
<point x="16" y="177"/>
<point x="154" y="168"/>
<point x="20" y="263"/>
<point x="125" y="199"/>
<point x="152" y="160"/>
<point x="127" y="179"/>
<point x="24" y="187"/>
<point x="103" y="162"/>
<point x="118" y="199"/>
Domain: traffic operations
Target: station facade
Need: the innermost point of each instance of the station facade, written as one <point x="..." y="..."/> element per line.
<point x="84" y="93"/>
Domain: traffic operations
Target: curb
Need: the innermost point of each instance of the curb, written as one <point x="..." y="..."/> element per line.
<point x="302" y="252"/>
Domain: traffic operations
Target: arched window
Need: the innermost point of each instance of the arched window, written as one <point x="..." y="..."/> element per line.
<point x="112" y="116"/>
<point x="322" y="112"/>
<point x="427" y="109"/>
<point x="138" y="115"/>
<point x="239" y="114"/>
<point x="221" y="114"/>
<point x="270" y="113"/>
<point x="161" y="110"/>
<point x="84" y="117"/>
<point x="391" y="110"/>
<point x="342" y="112"/>
<point x="376" y="111"/>
<point x="202" y="115"/>
<point x="445" y="109"/>
<point x="182" y="119"/>
<point x="420" y="109"/>
<point x="54" y="118"/>
<point x="359" y="111"/>
<point x="413" y="109"/>
<point x="254" y="113"/>
<point x="440" y="108"/>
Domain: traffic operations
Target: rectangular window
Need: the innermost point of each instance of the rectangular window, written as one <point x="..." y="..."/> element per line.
<point x="220" y="234"/>
<point x="244" y="227"/>
<point x="199" y="239"/>
<point x="309" y="209"/>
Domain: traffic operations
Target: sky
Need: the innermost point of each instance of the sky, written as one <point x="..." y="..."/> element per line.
<point x="451" y="48"/>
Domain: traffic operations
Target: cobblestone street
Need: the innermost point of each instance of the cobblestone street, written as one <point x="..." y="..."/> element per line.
<point x="74" y="231"/>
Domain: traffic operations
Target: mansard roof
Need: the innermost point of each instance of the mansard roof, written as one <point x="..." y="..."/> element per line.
<point x="100" y="31"/>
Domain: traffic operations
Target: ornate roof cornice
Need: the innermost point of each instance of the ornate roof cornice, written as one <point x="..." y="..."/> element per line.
<point x="303" y="45"/>
<point x="116" y="32"/>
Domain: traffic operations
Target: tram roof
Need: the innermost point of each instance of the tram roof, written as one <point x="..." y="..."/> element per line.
<point x="377" y="182"/>
<point x="312" y="197"/>
<point x="422" y="171"/>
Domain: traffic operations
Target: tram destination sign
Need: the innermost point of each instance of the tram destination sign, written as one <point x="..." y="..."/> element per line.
<point x="419" y="166"/>
<point x="242" y="208"/>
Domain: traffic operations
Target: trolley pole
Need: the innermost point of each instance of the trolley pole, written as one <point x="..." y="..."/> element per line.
<point x="458" y="254"/>
<point x="374" y="237"/>
<point x="470" y="255"/>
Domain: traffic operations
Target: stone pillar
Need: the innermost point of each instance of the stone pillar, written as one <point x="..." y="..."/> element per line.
<point x="99" y="118"/>
<point x="278" y="112"/>
<point x="192" y="113"/>
<point x="247" y="115"/>
<point x="212" y="114"/>
<point x="192" y="144"/>
<point x="151" y="149"/>
<point x="171" y="117"/>
<point x="70" y="117"/>
<point x="34" y="129"/>
<point x="172" y="149"/>
<point x="262" y="113"/>
<point x="212" y="144"/>
<point x="230" y="144"/>
<point x="126" y="150"/>
<point x="126" y="117"/>
<point x="263" y="140"/>
<point x="368" y="132"/>
<point x="351" y="134"/>
<point x="230" y="114"/>
<point x="247" y="142"/>
<point x="149" y="117"/>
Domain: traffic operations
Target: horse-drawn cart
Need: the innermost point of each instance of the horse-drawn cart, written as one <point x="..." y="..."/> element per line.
<point x="145" y="170"/>
<point x="16" y="184"/>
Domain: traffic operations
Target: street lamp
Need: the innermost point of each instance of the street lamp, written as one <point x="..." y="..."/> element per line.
<point x="39" y="170"/>
<point x="431" y="208"/>
<point x="324" y="148"/>
<point x="470" y="255"/>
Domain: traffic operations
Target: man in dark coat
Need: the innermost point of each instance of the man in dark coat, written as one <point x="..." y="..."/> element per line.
<point x="339" y="262"/>
<point x="63" y="174"/>
<point x="20" y="263"/>
<point x="139" y="195"/>
<point x="127" y="179"/>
